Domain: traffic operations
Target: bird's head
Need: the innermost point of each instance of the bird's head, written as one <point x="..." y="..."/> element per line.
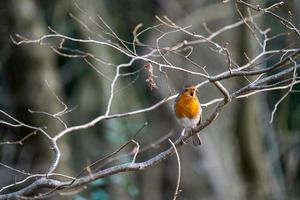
<point x="189" y="91"/>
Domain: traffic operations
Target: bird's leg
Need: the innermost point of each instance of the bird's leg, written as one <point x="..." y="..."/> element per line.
<point x="182" y="136"/>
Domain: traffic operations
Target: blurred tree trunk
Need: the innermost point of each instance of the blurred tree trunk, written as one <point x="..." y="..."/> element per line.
<point x="27" y="69"/>
<point x="256" y="165"/>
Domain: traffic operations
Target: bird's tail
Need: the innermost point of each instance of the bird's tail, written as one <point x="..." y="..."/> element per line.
<point x="197" y="140"/>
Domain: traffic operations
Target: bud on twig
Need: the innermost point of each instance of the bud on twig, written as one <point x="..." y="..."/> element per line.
<point x="150" y="76"/>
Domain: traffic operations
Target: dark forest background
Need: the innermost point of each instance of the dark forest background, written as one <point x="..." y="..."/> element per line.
<point x="243" y="155"/>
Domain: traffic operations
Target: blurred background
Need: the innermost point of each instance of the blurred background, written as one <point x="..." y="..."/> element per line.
<point x="243" y="155"/>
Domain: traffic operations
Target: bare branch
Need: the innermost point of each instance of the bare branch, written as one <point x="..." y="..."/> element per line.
<point x="264" y="77"/>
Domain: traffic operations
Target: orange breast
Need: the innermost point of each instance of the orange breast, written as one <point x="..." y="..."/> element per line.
<point x="187" y="106"/>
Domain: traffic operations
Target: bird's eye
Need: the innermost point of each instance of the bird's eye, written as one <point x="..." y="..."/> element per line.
<point x="186" y="90"/>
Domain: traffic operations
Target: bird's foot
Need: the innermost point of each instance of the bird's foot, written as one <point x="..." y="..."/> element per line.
<point x="183" y="140"/>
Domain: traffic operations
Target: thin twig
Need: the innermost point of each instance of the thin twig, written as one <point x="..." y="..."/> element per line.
<point x="20" y="142"/>
<point x="177" y="191"/>
<point x="287" y="93"/>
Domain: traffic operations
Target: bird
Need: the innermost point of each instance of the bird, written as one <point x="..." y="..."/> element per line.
<point x="188" y="111"/>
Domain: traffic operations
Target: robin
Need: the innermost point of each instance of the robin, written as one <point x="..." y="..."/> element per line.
<point x="188" y="111"/>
